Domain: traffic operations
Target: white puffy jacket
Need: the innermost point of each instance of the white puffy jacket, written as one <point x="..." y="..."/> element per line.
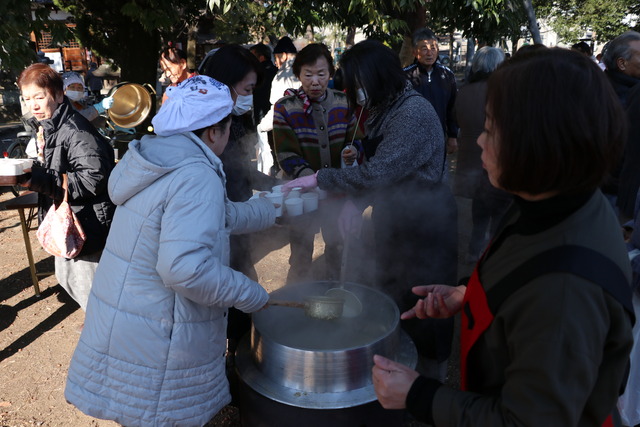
<point x="152" y="349"/>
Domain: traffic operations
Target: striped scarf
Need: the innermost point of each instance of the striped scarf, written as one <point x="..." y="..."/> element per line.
<point x="300" y="93"/>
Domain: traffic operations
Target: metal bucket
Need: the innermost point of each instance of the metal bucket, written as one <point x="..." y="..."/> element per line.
<point x="304" y="362"/>
<point x="132" y="104"/>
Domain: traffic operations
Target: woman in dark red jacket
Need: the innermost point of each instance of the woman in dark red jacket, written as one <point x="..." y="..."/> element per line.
<point x="547" y="315"/>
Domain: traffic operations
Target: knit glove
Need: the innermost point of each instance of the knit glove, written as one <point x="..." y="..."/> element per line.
<point x="306" y="183"/>
<point x="103" y="105"/>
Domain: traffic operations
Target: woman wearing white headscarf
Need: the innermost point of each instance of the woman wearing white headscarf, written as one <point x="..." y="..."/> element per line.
<point x="74" y="89"/>
<point x="152" y="351"/>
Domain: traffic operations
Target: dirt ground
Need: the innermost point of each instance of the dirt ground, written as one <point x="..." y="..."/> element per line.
<point x="38" y="334"/>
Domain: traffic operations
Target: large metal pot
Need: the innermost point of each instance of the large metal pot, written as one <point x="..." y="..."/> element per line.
<point x="319" y="365"/>
<point x="132" y="104"/>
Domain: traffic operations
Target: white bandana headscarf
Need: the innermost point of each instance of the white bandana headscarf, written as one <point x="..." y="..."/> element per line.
<point x="71" y="77"/>
<point x="195" y="103"/>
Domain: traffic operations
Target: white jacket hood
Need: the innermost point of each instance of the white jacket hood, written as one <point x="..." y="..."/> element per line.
<point x="153" y="157"/>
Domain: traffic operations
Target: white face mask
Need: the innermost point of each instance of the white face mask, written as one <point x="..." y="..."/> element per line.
<point x="361" y="97"/>
<point x="74" y="95"/>
<point x="243" y="104"/>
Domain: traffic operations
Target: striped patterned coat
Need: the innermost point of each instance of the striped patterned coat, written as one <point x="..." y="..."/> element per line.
<point x="305" y="142"/>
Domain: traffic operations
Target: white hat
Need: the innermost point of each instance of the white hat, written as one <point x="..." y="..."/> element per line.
<point x="71" y="77"/>
<point x="196" y="103"/>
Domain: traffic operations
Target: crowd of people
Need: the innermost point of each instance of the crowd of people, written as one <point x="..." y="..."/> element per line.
<point x="547" y="148"/>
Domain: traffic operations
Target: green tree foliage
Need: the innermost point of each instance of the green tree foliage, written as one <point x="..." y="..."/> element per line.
<point x="393" y="21"/>
<point x="488" y="21"/>
<point x="387" y="20"/>
<point x="571" y="19"/>
<point x="16" y="52"/>
<point x="130" y="31"/>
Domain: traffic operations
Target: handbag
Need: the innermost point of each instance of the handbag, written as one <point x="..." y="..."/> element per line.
<point x="60" y="232"/>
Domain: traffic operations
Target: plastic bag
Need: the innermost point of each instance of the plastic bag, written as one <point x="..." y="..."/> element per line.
<point x="60" y="233"/>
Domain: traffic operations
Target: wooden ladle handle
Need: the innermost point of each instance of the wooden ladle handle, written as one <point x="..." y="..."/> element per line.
<point x="294" y="304"/>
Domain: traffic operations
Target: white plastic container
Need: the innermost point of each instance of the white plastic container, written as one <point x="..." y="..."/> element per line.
<point x="309" y="201"/>
<point x="294" y="206"/>
<point x="14" y="167"/>
<point x="276" y="199"/>
<point x="294" y="193"/>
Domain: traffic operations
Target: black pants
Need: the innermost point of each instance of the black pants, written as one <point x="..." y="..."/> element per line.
<point x="301" y="236"/>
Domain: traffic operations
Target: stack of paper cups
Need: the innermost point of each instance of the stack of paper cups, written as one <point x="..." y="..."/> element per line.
<point x="309" y="201"/>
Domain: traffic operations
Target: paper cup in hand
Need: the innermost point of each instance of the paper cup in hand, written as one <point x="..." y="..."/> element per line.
<point x="309" y="201"/>
<point x="294" y="206"/>
<point x="277" y="189"/>
<point x="276" y="199"/>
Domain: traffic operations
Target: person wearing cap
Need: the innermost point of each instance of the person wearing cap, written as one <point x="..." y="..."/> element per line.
<point x="284" y="54"/>
<point x="75" y="90"/>
<point x="152" y="351"/>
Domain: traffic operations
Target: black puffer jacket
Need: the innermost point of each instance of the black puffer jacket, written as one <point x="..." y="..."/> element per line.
<point x="73" y="146"/>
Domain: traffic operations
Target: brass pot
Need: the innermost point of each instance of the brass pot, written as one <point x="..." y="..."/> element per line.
<point x="132" y="104"/>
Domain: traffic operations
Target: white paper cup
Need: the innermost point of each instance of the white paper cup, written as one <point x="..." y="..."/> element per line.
<point x="309" y="202"/>
<point x="276" y="199"/>
<point x="294" y="193"/>
<point x="294" y="206"/>
<point x="321" y="194"/>
<point x="277" y="189"/>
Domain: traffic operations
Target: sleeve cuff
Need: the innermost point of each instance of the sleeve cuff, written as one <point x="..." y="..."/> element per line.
<point x="420" y="398"/>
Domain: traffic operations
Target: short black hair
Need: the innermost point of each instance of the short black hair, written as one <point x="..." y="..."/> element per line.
<point x="285" y="45"/>
<point x="582" y="47"/>
<point x="375" y="68"/>
<point x="559" y="124"/>
<point x="422" y="34"/>
<point x="231" y="63"/>
<point x="173" y="55"/>
<point x="310" y="54"/>
<point x="261" y="49"/>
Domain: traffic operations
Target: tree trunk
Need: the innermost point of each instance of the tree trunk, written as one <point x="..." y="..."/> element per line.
<point x="415" y="20"/>
<point x="471" y="50"/>
<point x="351" y="37"/>
<point x="514" y="44"/>
<point x="141" y="66"/>
<point x="192" y="40"/>
<point x="533" y="23"/>
<point x="406" y="52"/>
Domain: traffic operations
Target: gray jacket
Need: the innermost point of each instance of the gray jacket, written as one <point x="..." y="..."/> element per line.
<point x="409" y="147"/>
